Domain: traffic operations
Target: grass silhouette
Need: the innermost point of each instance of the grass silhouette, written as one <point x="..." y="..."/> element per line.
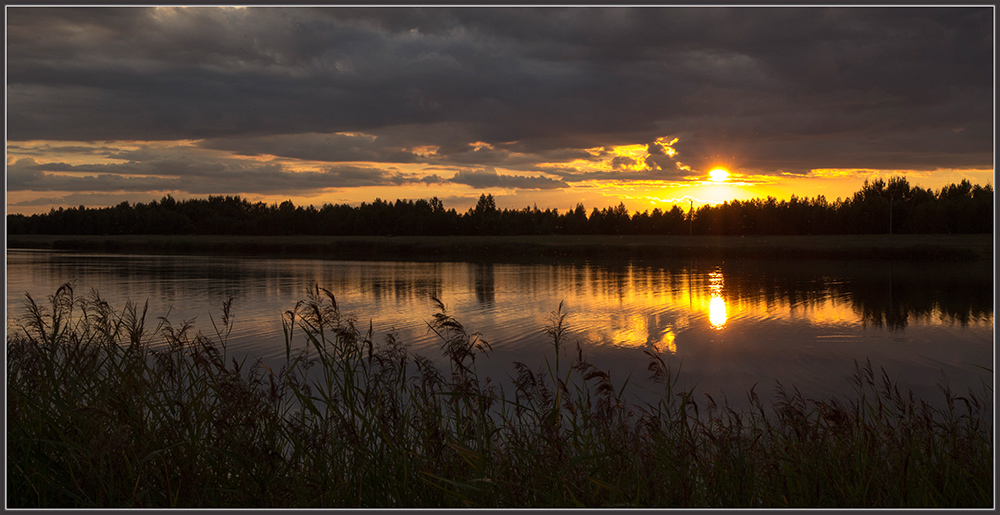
<point x="104" y="411"/>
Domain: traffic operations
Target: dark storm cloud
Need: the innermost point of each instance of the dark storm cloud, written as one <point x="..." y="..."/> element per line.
<point x="488" y="178"/>
<point x="203" y="178"/>
<point x="48" y="150"/>
<point x="24" y="174"/>
<point x="88" y="199"/>
<point x="317" y="147"/>
<point x="768" y="89"/>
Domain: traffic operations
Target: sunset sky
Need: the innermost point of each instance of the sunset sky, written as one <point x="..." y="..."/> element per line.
<point x="538" y="106"/>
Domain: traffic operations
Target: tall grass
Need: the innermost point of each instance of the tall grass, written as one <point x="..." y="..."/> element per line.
<point x="103" y="411"/>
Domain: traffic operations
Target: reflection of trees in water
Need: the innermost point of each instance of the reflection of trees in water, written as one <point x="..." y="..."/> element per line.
<point x="175" y="277"/>
<point x="399" y="288"/>
<point x="169" y="277"/>
<point x="390" y="282"/>
<point x="883" y="294"/>
<point x="795" y="287"/>
<point x="891" y="298"/>
<point x="484" y="279"/>
<point x="617" y="281"/>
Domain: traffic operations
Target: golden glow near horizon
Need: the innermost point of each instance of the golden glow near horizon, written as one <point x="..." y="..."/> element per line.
<point x="606" y="176"/>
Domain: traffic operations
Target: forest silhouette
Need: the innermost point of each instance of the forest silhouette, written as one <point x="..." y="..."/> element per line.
<point x="879" y="207"/>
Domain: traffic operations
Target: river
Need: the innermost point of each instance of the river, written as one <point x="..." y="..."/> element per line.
<point x="728" y="326"/>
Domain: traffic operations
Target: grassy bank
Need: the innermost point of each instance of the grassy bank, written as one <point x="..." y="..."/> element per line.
<point x="528" y="248"/>
<point x="105" y="411"/>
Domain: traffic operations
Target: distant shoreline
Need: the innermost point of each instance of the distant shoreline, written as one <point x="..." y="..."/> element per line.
<point x="910" y="247"/>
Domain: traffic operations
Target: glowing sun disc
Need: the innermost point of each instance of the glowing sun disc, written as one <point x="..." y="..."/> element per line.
<point x="719" y="174"/>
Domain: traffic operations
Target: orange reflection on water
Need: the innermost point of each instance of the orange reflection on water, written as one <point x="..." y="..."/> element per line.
<point x="717" y="315"/>
<point x="638" y="329"/>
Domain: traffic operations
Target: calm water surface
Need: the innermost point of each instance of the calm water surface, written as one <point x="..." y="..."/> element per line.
<point x="728" y="325"/>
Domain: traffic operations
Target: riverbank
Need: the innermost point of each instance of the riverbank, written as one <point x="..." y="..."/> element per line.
<point x="935" y="247"/>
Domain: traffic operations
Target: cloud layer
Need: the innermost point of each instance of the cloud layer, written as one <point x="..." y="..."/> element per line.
<point x="530" y="90"/>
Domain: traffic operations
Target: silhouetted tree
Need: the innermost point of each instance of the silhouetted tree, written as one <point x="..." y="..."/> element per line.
<point x="956" y="208"/>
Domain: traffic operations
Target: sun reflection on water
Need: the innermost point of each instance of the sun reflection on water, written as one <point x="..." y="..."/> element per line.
<point x="717" y="315"/>
<point x="717" y="312"/>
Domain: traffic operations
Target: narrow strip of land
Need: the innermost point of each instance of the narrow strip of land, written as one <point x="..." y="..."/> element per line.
<point x="521" y="248"/>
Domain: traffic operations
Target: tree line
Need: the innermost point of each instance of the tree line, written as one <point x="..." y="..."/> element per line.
<point x="879" y="207"/>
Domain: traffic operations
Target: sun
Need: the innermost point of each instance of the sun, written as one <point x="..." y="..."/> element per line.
<point x="719" y="175"/>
